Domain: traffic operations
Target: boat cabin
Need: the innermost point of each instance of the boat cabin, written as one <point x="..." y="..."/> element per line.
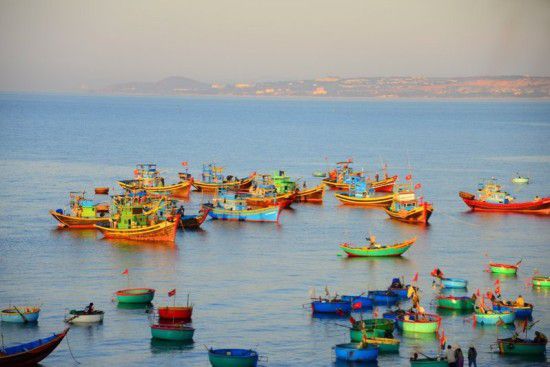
<point x="230" y="201"/>
<point x="283" y="183"/>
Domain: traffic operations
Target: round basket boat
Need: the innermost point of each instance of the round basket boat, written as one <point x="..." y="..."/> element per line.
<point x="233" y="357"/>
<point x="175" y="312"/>
<point x="454" y="283"/>
<point x="351" y="352"/>
<point x="492" y="318"/>
<point x="503" y="268"/>
<point x="176" y="332"/>
<point x="455" y="303"/>
<point x="20" y="314"/>
<point x="412" y="323"/>
<point x="540" y="281"/>
<point x="83" y="317"/>
<point x="521" y="347"/>
<point x="135" y="295"/>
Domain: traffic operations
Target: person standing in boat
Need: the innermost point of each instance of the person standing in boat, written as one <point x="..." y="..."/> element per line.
<point x="520" y="302"/>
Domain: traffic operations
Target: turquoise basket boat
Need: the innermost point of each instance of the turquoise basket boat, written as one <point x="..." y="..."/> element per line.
<point x="492" y="318"/>
<point x="455" y="303"/>
<point x="454" y="283"/>
<point x="176" y="332"/>
<point x="135" y="295"/>
<point x="521" y="347"/>
<point x="233" y="357"/>
<point x="20" y="314"/>
<point x="426" y="323"/>
<point x="352" y="353"/>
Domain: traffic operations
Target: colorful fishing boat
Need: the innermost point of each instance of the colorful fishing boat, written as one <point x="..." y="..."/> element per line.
<point x="373" y="251"/>
<point x="541" y="281"/>
<point x="147" y="177"/>
<point x="493" y="317"/>
<point x="361" y="194"/>
<point x="374" y="324"/>
<point x="406" y="207"/>
<point x="456" y="303"/>
<point x="176" y="313"/>
<point x="263" y="193"/>
<point x="356" y="352"/>
<point x="286" y="185"/>
<point x="416" y="323"/>
<point x="336" y="306"/>
<point x="20" y="314"/>
<point x="521" y="346"/>
<point x="385" y="345"/>
<point x="31" y="353"/>
<point x="233" y="357"/>
<point x="429" y="362"/>
<point x="84" y="213"/>
<point x="384" y="185"/>
<point x="454" y="283"/>
<point x="233" y="207"/>
<point x="356" y="335"/>
<point x="490" y="197"/>
<point x="135" y="295"/>
<point x="499" y="268"/>
<point x="338" y="178"/>
<point x="310" y="195"/>
<point x="212" y="180"/>
<point x="194" y="221"/>
<point x="84" y="317"/>
<point x="358" y="302"/>
<point x="521" y="312"/>
<point x="383" y="297"/>
<point x="175" y="332"/>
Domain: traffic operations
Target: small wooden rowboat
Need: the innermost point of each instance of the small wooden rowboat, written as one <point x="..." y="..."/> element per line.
<point x="83" y="317"/>
<point x="429" y="362"/>
<point x="537" y="206"/>
<point x="420" y="214"/>
<point x="493" y="317"/>
<point x="427" y="323"/>
<point x="392" y="250"/>
<point x="135" y="295"/>
<point x="454" y="283"/>
<point x="20" y="314"/>
<point x="520" y="180"/>
<point x="233" y="357"/>
<point x="355" y="352"/>
<point x="503" y="268"/>
<point x="213" y="187"/>
<point x="178" y="313"/>
<point x="455" y="303"/>
<point x="325" y="306"/>
<point x="312" y="195"/>
<point x="176" y="332"/>
<point x="540" y="281"/>
<point x="195" y="221"/>
<point x="385" y="345"/>
<point x="101" y="191"/>
<point x="31" y="353"/>
<point x="347" y="199"/>
<point x="520" y="347"/>
<point x="70" y="221"/>
<point x="164" y="231"/>
<point x="521" y="312"/>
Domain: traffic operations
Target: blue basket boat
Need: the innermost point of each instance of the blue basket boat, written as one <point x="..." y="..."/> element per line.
<point x="383" y="298"/>
<point x="523" y="312"/>
<point x="20" y="314"/>
<point x="492" y="318"/>
<point x="352" y="353"/>
<point x="454" y="283"/>
<point x="233" y="357"/>
<point x="337" y="307"/>
<point x="365" y="301"/>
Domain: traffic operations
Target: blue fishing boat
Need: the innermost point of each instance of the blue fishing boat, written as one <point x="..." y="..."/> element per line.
<point x="521" y="312"/>
<point x="20" y="314"/>
<point x="360" y="302"/>
<point x="353" y="352"/>
<point x="492" y="317"/>
<point x="331" y="306"/>
<point x="31" y="353"/>
<point x="399" y="288"/>
<point x="383" y="297"/>
<point x="454" y="283"/>
<point x="233" y="357"/>
<point x="234" y="207"/>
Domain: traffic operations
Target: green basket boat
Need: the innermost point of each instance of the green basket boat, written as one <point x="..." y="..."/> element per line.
<point x="541" y="281"/>
<point x="456" y="303"/>
<point x="319" y="174"/>
<point x="508" y="269"/>
<point x="432" y="362"/>
<point x="356" y="335"/>
<point x="374" y="328"/>
<point x="520" y="347"/>
<point x="176" y="332"/>
<point x="135" y="295"/>
<point x="427" y="323"/>
<point x="385" y="345"/>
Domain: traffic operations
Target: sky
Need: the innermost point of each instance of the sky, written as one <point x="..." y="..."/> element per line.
<point x="57" y="45"/>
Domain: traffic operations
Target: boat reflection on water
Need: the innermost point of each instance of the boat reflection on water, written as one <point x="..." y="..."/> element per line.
<point x="161" y="346"/>
<point x="79" y="234"/>
<point x="453" y="313"/>
<point x="134" y="306"/>
<point x="139" y="246"/>
<point x="341" y="363"/>
<point x="419" y="336"/>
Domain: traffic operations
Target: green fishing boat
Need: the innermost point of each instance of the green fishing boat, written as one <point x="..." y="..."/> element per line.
<point x="540" y="281"/>
<point x="520" y="347"/>
<point x="356" y="335"/>
<point x="431" y="362"/>
<point x="456" y="303"/>
<point x="283" y="183"/>
<point x="135" y="295"/>
<point x="508" y="269"/>
<point x="385" y="345"/>
<point x="176" y="332"/>
<point x="392" y="250"/>
<point x="413" y="323"/>
<point x="374" y="328"/>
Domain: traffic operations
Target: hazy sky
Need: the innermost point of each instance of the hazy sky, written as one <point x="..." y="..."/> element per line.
<point x="55" y="45"/>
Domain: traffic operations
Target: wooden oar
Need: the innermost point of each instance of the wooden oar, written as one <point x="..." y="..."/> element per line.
<point x="20" y="314"/>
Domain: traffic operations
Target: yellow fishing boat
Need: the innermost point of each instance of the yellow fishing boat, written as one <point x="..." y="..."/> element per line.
<point x="164" y="231"/>
<point x="349" y="199"/>
<point x="147" y="177"/>
<point x="213" y="180"/>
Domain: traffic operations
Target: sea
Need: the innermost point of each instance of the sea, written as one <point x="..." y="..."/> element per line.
<point x="250" y="283"/>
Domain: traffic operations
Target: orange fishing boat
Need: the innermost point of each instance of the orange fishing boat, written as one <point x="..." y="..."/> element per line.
<point x="84" y="214"/>
<point x="384" y="185"/>
<point x="406" y="207"/>
<point x="312" y="195"/>
<point x="213" y="180"/>
<point x="164" y="231"/>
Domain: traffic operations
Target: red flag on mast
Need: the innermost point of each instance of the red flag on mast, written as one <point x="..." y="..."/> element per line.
<point x="417" y="186"/>
<point x="172" y="293"/>
<point x="125" y="272"/>
<point x="415" y="279"/>
<point x="408" y="177"/>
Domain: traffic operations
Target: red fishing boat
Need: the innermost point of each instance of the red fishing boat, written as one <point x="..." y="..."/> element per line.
<point x="384" y="185"/>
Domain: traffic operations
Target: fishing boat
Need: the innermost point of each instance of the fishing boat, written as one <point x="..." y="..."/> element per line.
<point x="286" y="185"/>
<point x="83" y="317"/>
<point x="263" y="193"/>
<point x="148" y="178"/>
<point x="492" y="317"/>
<point x="454" y="283"/>
<point x="101" y="191"/>
<point x="338" y="178"/>
<point x="356" y="334"/>
<point x="383" y="297"/>
<point x="390" y="250"/>
<point x="521" y="312"/>
<point x="194" y="221"/>
<point x="429" y="362"/>
<point x="233" y="357"/>
<point x="174" y="331"/>
<point x="498" y="268"/>
<point x="541" y="281"/>
<point x="374" y="324"/>
<point x="20" y="314"/>
<point x="135" y="295"/>
<point x="177" y="313"/>
<point x="84" y="213"/>
<point x="384" y="185"/>
<point x="319" y="174"/>
<point x="521" y="346"/>
<point x="399" y="288"/>
<point x="310" y="195"/>
<point x="356" y="352"/>
<point x="31" y="353"/>
<point x="337" y="306"/>
<point x="490" y="197"/>
<point x="233" y="207"/>
<point x="360" y="301"/>
<point x="212" y="180"/>
<point x="406" y="207"/>
<point x="385" y="345"/>
<point x="456" y="303"/>
<point x="415" y="323"/>
<point x="361" y="194"/>
<point x="521" y="180"/>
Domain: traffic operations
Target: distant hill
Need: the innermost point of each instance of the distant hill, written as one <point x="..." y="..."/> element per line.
<point x="360" y="87"/>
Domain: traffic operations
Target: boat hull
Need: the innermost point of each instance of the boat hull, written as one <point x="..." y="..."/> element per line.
<point x="383" y="298"/>
<point x="491" y="319"/>
<point x="541" y="282"/>
<point x="269" y="214"/>
<point x="541" y="206"/>
<point x="31" y="356"/>
<point x="313" y="195"/>
<point x="427" y="325"/>
<point x="164" y="231"/>
<point x="352" y="353"/>
<point x="524" y="312"/>
<point x="135" y="295"/>
<point x="179" y="190"/>
<point x="21" y="315"/>
<point x="356" y="335"/>
<point x="174" y="332"/>
<point x="429" y="362"/>
<point x="194" y="221"/>
<point x="419" y="215"/>
<point x="385" y="185"/>
<point x="454" y="283"/>
<point x="385" y="345"/>
<point x="356" y="300"/>
<point x="333" y="185"/>
<point x="207" y="187"/>
<point x="503" y="269"/>
<point x="455" y="303"/>
<point x="76" y="317"/>
<point x="520" y="347"/>
<point x="71" y="222"/>
<point x="232" y="358"/>
<point x="175" y="313"/>
<point x="331" y="307"/>
<point x="394" y="250"/>
<point x="347" y="199"/>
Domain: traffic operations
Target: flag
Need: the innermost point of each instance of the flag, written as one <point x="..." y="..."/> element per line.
<point x="184" y="163"/>
<point x="357" y="306"/>
<point x="339" y="312"/>
<point x="125" y="272"/>
<point x="172" y="293"/>
<point x="415" y="278"/>
<point x="408" y="177"/>
<point x="417" y="186"/>
<point x="352" y="320"/>
<point x="478" y="293"/>
<point x="497" y="291"/>
<point x="442" y="339"/>
<point x="525" y="323"/>
<point x="375" y="312"/>
<point x="497" y="282"/>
